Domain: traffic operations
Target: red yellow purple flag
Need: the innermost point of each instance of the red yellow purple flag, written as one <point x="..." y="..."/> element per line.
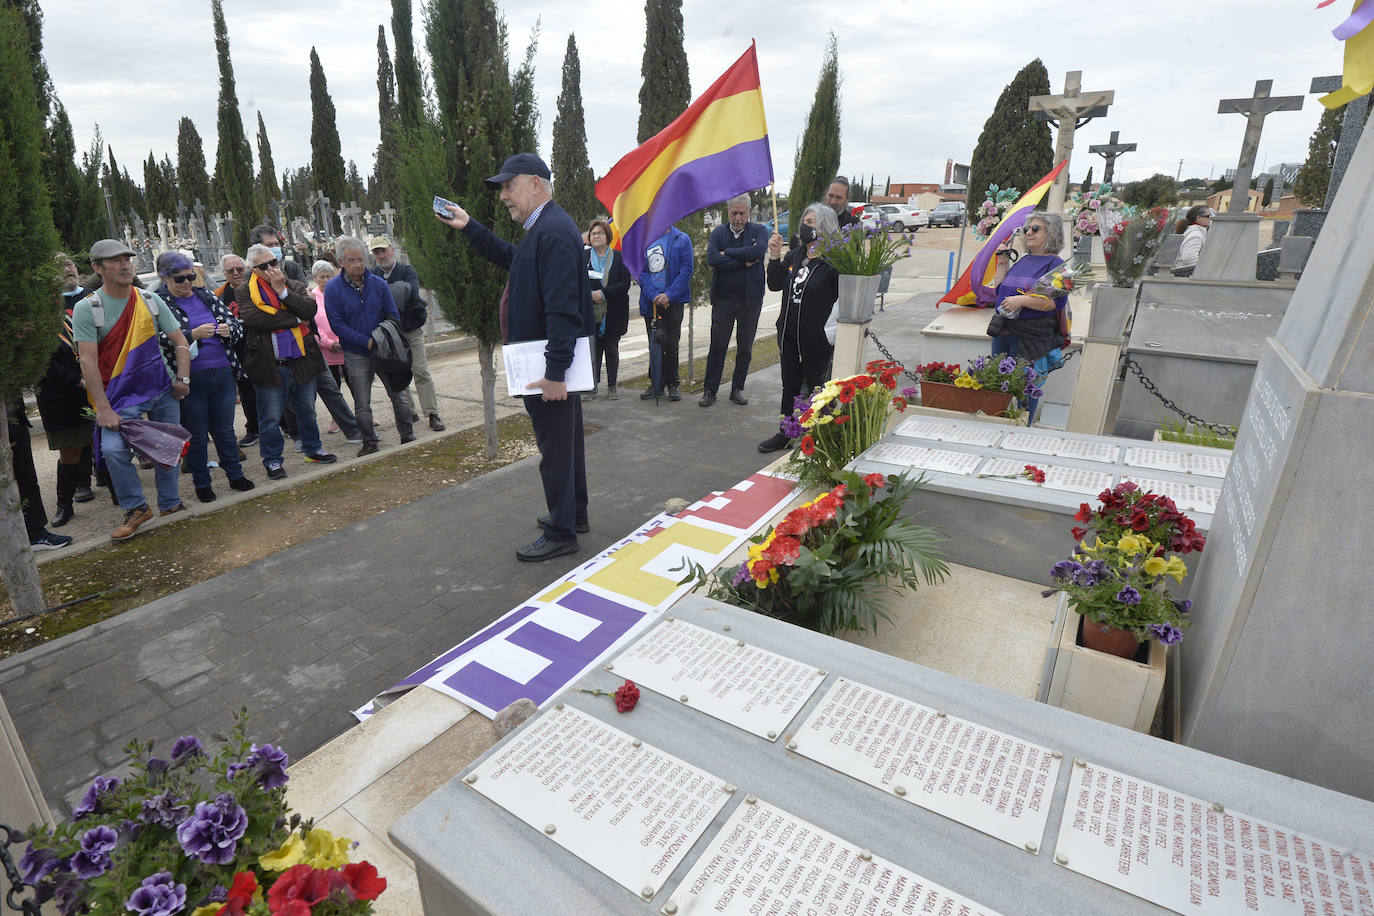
<point x="984" y="264"/>
<point x="714" y="150"/>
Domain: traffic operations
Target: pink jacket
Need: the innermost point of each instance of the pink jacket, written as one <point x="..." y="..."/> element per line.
<point x="328" y="339"/>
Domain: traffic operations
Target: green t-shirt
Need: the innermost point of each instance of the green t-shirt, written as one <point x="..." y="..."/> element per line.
<point x="83" y="323"/>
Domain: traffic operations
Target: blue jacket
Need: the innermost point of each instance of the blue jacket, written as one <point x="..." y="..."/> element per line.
<point x="549" y="295"/>
<point x="726" y="255"/>
<point x="677" y="272"/>
<point x="354" y="313"/>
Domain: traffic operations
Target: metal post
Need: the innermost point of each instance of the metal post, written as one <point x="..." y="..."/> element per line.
<point x="109" y="212"/>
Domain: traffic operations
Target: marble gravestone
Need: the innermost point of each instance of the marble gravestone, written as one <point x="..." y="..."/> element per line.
<point x="1276" y="668"/>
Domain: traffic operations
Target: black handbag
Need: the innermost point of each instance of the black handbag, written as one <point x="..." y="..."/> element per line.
<point x="997" y="325"/>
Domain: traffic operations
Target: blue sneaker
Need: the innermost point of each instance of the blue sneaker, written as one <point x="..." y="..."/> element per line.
<point x="49" y="541"/>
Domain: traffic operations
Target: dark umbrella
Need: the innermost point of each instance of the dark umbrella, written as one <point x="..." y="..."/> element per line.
<point x="656" y="352"/>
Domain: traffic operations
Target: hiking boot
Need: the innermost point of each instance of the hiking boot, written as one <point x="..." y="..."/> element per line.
<point x="650" y="393"/>
<point x="707" y="399"/>
<point x="132" y="519"/>
<point x="367" y="449"/>
<point x="674" y="393"/>
<point x="435" y="423"/>
<point x="612" y="393"/>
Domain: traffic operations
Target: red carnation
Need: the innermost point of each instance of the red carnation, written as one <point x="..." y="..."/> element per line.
<point x="363" y="879"/>
<point x="794" y="525"/>
<point x="783" y="551"/>
<point x="842" y="419"/>
<point x="626" y="696"/>
<point x="875" y="480"/>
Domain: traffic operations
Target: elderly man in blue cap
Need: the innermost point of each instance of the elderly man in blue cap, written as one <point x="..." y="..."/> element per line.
<point x="548" y="297"/>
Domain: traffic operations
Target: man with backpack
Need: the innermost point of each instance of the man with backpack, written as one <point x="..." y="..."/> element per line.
<point x="413" y="315"/>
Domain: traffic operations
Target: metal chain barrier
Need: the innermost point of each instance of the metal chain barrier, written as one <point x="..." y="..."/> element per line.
<point x="16" y="883"/>
<point x="1220" y="429"/>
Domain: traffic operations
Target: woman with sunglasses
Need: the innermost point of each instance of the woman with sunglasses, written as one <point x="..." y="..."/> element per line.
<point x="1194" y="226"/>
<point x="1033" y="328"/>
<point x="207" y="411"/>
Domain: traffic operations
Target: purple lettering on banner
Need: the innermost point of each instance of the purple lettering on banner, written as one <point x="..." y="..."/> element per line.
<point x="567" y="657"/>
<point x="495" y="629"/>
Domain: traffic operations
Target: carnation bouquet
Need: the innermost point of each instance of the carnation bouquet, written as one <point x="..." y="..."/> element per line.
<point x="993" y="209"/>
<point x="198" y="835"/>
<point x="826" y="562"/>
<point x="1086" y="209"/>
<point x="1131" y="244"/>
<point x="840" y="420"/>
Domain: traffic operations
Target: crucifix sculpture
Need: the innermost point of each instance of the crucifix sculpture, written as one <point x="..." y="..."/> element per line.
<point x="1255" y="110"/>
<point x="1110" y="151"/>
<point x="326" y="218"/>
<point x="389" y="214"/>
<point x="1068" y="111"/>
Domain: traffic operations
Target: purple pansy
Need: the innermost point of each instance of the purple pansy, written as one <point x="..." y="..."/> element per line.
<point x="164" y="810"/>
<point x="212" y="832"/>
<point x="270" y="762"/>
<point x="1128" y="595"/>
<point x="158" y="895"/>
<point x="1166" y="633"/>
<point x="1006" y="366"/>
<point x="37" y="864"/>
<point x="94" y="857"/>
<point x="909" y="393"/>
<point x="90" y="802"/>
<point x="185" y="747"/>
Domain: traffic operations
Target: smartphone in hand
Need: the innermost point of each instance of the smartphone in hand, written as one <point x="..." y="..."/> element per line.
<point x="444" y="207"/>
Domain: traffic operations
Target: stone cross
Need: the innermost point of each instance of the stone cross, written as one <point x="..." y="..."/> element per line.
<point x="201" y="235"/>
<point x="1255" y="110"/>
<point x="326" y="219"/>
<point x="389" y="214"/>
<point x="1110" y="151"/>
<point x="182" y="230"/>
<point x="1068" y="111"/>
<point x="1351" y="127"/>
<point x="216" y="235"/>
<point x="164" y="230"/>
<point x="348" y="218"/>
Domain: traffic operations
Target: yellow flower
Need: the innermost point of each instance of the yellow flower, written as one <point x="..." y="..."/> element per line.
<point x="1057" y="282"/>
<point x="1176" y="568"/>
<point x="1131" y="543"/>
<point x="324" y="850"/>
<point x="208" y="910"/>
<point x="284" y="856"/>
<point x="827" y="418"/>
<point x="1155" y="566"/>
<point x="963" y="381"/>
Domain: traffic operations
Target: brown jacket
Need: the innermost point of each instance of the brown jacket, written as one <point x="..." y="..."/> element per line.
<point x="259" y="360"/>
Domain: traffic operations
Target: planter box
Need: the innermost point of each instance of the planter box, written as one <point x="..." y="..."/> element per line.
<point x="964" y="400"/>
<point x="1117" y="690"/>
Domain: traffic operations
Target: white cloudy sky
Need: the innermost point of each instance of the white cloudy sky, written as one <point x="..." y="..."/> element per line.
<point x="919" y="78"/>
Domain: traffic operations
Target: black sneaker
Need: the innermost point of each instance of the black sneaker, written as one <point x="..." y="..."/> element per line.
<point x="322" y="458"/>
<point x="276" y="472"/>
<point x="435" y="423"/>
<point x="674" y="394"/>
<point x="49" y="541"/>
<point x="545" y="549"/>
<point x="248" y="440"/>
<point x="241" y="484"/>
<point x="774" y="443"/>
<point x="205" y="494"/>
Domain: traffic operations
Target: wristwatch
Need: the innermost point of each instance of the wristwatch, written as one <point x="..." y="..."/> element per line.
<point x="184" y="381"/>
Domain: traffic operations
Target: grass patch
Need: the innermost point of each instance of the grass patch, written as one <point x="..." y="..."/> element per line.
<point x="171" y="557"/>
<point x="1173" y="431"/>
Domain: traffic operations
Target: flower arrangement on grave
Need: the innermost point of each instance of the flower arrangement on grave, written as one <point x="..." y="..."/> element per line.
<point x="1117" y="576"/>
<point x="841" y="419"/>
<point x="857" y="251"/>
<point x="625" y="696"/>
<point x="199" y="835"/>
<point x="1086" y="208"/>
<point x="1029" y="472"/>
<point x="1008" y="375"/>
<point x="1131" y="244"/>
<point x="993" y="209"/>
<point x="825" y="563"/>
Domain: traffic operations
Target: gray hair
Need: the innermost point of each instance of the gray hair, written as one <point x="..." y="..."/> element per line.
<point x="826" y="221"/>
<point x="256" y="251"/>
<point x="225" y="257"/>
<point x="740" y="201"/>
<point x="1054" y="230"/>
<point x="320" y="265"/>
<point x="349" y="243"/>
<point x="546" y="184"/>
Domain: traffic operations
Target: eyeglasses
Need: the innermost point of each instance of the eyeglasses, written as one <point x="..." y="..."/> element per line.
<point x="265" y="264"/>
<point x="1205" y="216"/>
<point x="183" y="278"/>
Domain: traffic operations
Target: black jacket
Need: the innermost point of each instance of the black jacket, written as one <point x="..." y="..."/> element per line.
<point x="61" y="396"/>
<point x="616" y="289"/>
<point x="810" y="292"/>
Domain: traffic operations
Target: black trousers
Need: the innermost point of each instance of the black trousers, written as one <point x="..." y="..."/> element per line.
<point x="801" y="372"/>
<point x="672" y="323"/>
<point x="26" y="476"/>
<point x="607" y="348"/>
<point x="743" y="320"/>
<point x="562" y="462"/>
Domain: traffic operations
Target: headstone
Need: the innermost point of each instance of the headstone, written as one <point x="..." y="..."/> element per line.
<point x="1308" y="222"/>
<point x="1277" y="668"/>
<point x="389" y="214"/>
<point x="1293" y="255"/>
<point x="1233" y="237"/>
<point x="1110" y="151"/>
<point x="1352" y="125"/>
<point x="1280" y="230"/>
<point x="183" y="227"/>
<point x="325" y="221"/>
<point x="1068" y="111"/>
<point x="1267" y="264"/>
<point x="215" y="235"/>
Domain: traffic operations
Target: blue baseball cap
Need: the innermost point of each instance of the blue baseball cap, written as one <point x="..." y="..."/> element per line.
<point x="519" y="164"/>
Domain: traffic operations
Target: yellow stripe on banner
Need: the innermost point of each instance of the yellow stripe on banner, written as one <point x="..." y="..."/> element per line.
<point x="625" y="575"/>
<point x="1358" y="77"/>
<point x="553" y="594"/>
<point x="729" y="122"/>
<point x="140" y="332"/>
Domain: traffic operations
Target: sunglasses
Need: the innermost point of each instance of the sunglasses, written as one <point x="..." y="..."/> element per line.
<point x="265" y="264"/>
<point x="1033" y="229"/>
<point x="182" y="278"/>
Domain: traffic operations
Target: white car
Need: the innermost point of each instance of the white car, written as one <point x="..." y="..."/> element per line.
<point x="899" y="217"/>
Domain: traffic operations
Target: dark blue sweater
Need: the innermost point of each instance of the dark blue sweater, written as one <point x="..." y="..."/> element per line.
<point x="731" y="280"/>
<point x="549" y="293"/>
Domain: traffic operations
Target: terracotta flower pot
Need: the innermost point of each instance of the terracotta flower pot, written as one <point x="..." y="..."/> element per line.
<point x="1111" y="640"/>
<point x="967" y="400"/>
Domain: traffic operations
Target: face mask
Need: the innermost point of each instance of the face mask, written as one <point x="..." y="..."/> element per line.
<point x="806" y="233"/>
<point x="276" y="252"/>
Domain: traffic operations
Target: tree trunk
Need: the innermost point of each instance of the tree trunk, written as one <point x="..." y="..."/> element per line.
<point x="486" y="362"/>
<point x="17" y="566"/>
<point x="691" y="344"/>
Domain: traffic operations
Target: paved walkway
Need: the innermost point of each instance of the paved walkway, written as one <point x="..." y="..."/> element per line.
<point x="303" y="637"/>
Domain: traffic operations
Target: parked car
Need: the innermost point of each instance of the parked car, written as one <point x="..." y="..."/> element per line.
<point x="900" y="217"/>
<point x="946" y="213"/>
<point x="782" y="224"/>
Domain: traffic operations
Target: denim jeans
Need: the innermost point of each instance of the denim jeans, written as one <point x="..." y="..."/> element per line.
<point x="1011" y="345"/>
<point x="208" y="411"/>
<point x="119" y="458"/>
<point x="272" y="403"/>
<point x="358" y="372"/>
<point x="328" y="390"/>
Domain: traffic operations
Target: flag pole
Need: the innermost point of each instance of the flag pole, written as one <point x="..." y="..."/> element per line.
<point x="773" y="193"/>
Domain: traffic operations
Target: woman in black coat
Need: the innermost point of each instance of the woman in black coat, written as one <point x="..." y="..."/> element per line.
<point x="611" y="300"/>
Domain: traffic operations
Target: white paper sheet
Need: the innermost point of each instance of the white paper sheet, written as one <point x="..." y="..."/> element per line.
<point x="524" y="363"/>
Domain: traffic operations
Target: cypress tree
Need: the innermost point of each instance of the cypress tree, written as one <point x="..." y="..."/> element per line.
<point x="357" y="191"/>
<point x="572" y="171"/>
<point x="160" y="188"/>
<point x="410" y="104"/>
<point x="818" y="157"/>
<point x="666" y="91"/>
<point x="326" y="156"/>
<point x="524" y="110"/>
<point x="78" y="226"/>
<point x="1268" y="192"/>
<point x="1014" y="150"/>
<point x="1087" y="182"/>
<point x="192" y="180"/>
<point x="30" y="318"/>
<point x="234" y="186"/>
<point x="267" y="169"/>
<point x="384" y="186"/>
<point x="121" y="192"/>
<point x="1310" y="185"/>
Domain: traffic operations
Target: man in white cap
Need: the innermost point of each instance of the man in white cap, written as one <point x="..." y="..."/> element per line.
<point x="405" y="289"/>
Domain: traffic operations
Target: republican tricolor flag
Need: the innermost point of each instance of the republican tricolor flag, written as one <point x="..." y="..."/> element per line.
<point x="967" y="290"/>
<point x="714" y="150"/>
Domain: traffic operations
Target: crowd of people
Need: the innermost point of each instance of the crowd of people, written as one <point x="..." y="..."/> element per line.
<point x="265" y="342"/>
